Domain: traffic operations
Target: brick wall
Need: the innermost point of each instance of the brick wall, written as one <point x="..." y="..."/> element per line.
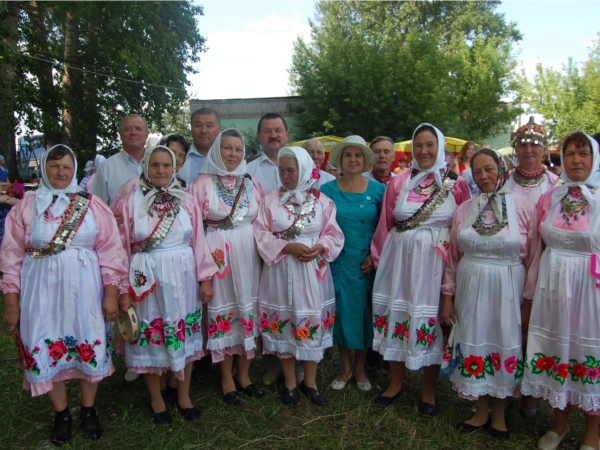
<point x="249" y="108"/>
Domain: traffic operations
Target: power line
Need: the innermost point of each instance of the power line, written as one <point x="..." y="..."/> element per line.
<point x="102" y="74"/>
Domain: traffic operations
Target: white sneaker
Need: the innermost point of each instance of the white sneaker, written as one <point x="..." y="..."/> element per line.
<point x="366" y="386"/>
<point x="131" y="376"/>
<point x="269" y="377"/>
<point x="551" y="440"/>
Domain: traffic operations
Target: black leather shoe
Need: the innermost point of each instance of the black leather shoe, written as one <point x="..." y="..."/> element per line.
<point x="498" y="434"/>
<point x="61" y="433"/>
<point x="251" y="390"/>
<point x="161" y="418"/>
<point x="466" y="428"/>
<point x="192" y="414"/>
<point x="313" y="395"/>
<point x="232" y="398"/>
<point x="169" y="393"/>
<point x="92" y="429"/>
<point x="384" y="402"/>
<point x="427" y="410"/>
<point x="290" y="398"/>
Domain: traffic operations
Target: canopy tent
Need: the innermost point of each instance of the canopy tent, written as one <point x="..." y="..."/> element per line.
<point x="506" y="151"/>
<point x="452" y="145"/>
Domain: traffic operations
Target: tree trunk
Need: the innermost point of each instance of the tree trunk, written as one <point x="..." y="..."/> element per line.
<point x="47" y="100"/>
<point x="69" y="80"/>
<point x="10" y="20"/>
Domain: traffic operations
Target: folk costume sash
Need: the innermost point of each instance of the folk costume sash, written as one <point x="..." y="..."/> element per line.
<point x="75" y="214"/>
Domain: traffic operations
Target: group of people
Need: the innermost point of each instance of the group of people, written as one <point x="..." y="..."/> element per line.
<point x="223" y="257"/>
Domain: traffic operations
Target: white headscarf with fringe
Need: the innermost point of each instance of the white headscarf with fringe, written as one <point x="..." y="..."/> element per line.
<point x="308" y="174"/>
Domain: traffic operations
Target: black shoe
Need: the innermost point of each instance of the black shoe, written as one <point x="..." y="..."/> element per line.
<point x="161" y="418"/>
<point x="466" y="428"/>
<point x="232" y="398"/>
<point x="313" y="395"/>
<point x="384" y="402"/>
<point x="61" y="433"/>
<point x="192" y="414"/>
<point x="427" y="410"/>
<point x="169" y="393"/>
<point x="90" y="424"/>
<point x="251" y="390"/>
<point x="498" y="434"/>
<point x="290" y="398"/>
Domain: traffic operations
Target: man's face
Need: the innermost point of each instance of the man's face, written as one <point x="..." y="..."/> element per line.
<point x="205" y="129"/>
<point x="2" y="162"/>
<point x="384" y="155"/>
<point x="134" y="133"/>
<point x="316" y="152"/>
<point x="272" y="135"/>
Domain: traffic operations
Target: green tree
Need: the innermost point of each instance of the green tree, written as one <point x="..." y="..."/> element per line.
<point x="568" y="99"/>
<point x="175" y="120"/>
<point x="80" y="66"/>
<point x="383" y="67"/>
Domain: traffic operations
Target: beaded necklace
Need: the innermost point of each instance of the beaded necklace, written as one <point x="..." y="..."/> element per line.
<point x="571" y="207"/>
<point x="490" y="229"/>
<point x="160" y="231"/>
<point x="73" y="218"/>
<point x="306" y="211"/>
<point x="164" y="203"/>
<point x="228" y="196"/>
<point x="530" y="180"/>
<point x="239" y="205"/>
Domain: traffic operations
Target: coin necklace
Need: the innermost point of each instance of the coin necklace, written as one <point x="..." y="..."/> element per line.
<point x="530" y="180"/>
<point x="487" y="229"/>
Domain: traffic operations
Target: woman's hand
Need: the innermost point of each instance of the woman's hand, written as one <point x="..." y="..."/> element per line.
<point x="525" y="315"/>
<point x="447" y="311"/>
<point x="4" y="198"/>
<point x="12" y="311"/>
<point x="110" y="304"/>
<point x="295" y="249"/>
<point x="118" y="218"/>
<point x="206" y="291"/>
<point x="312" y="253"/>
<point x="367" y="266"/>
<point x="125" y="301"/>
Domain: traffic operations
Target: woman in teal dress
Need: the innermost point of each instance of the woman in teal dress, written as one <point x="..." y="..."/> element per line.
<point x="358" y="202"/>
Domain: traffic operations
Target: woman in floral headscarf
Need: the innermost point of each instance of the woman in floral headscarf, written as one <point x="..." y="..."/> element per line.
<point x="162" y="232"/>
<point x="229" y="202"/>
<point x="61" y="254"/>
<point x="492" y="271"/>
<point x="410" y="247"/>
<point x="563" y="350"/>
<point x="297" y="236"/>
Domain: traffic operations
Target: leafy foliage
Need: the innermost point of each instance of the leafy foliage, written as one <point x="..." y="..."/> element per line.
<point x="568" y="99"/>
<point x="384" y="67"/>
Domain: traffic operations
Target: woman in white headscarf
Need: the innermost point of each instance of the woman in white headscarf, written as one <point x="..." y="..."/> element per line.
<point x="62" y="256"/>
<point x="563" y="351"/>
<point x="297" y="237"/>
<point x="409" y="249"/>
<point x="229" y="200"/>
<point x="492" y="271"/>
<point x="91" y="173"/>
<point x="164" y="238"/>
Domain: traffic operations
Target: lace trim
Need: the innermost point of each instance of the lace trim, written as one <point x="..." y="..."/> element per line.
<point x="560" y="400"/>
<point x="477" y="390"/>
<point x="99" y="371"/>
<point x="224" y="342"/>
<point x="174" y="364"/>
<point x="401" y="355"/>
<point x="300" y="353"/>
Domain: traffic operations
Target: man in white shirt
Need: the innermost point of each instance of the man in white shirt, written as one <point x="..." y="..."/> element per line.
<point x="272" y="134"/>
<point x="315" y="149"/>
<point x="383" y="148"/>
<point x="206" y="126"/>
<point x="123" y="166"/>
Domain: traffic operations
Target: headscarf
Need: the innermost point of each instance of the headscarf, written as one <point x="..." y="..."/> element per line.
<point x="493" y="198"/>
<point x="213" y="163"/>
<point x="439" y="163"/>
<point x="173" y="188"/>
<point x="308" y="174"/>
<point x="593" y="181"/>
<point x="46" y="192"/>
<point x="88" y="166"/>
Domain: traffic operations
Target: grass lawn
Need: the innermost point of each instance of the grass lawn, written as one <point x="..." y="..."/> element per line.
<point x="349" y="421"/>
